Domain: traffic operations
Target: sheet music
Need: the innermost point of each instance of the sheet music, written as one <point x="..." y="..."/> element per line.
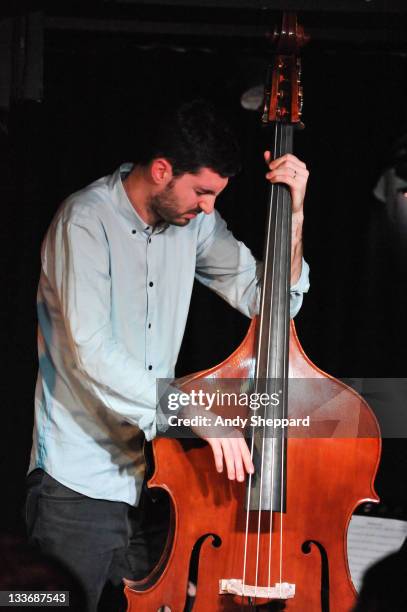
<point x="370" y="539"/>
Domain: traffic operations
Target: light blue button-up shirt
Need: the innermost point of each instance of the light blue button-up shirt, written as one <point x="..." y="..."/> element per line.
<point x="113" y="300"/>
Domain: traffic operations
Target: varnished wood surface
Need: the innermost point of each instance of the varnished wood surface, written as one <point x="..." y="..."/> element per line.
<point x="327" y="478"/>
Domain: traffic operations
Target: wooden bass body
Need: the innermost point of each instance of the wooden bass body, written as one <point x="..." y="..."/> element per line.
<point x="328" y="474"/>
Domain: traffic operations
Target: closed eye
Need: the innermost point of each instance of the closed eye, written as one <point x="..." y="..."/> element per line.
<point x="200" y="192"/>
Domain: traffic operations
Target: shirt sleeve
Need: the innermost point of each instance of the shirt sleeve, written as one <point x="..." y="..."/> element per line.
<point x="76" y="263"/>
<point x="297" y="291"/>
<point x="228" y="268"/>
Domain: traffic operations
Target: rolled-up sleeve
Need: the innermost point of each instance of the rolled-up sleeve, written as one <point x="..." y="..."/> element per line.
<point x="228" y="268"/>
<point x="297" y="291"/>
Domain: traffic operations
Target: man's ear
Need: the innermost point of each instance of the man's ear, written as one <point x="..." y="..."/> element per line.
<point x="161" y="171"/>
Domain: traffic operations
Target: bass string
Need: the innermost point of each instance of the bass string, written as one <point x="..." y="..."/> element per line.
<point x="285" y="361"/>
<point x="282" y="211"/>
<point x="273" y="369"/>
<point x="260" y="335"/>
<point x="280" y="144"/>
<point x="273" y="347"/>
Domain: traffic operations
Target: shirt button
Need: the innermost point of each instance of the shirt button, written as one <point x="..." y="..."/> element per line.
<point x="149" y="325"/>
<point x="150" y="367"/>
<point x="149" y="239"/>
<point x="151" y="284"/>
<point x="134" y="231"/>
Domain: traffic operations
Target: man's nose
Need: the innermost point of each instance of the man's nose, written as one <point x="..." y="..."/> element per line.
<point x="207" y="205"/>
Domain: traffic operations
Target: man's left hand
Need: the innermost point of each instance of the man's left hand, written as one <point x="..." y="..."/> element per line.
<point x="291" y="171"/>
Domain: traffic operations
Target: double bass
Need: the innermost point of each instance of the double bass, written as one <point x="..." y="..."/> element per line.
<point x="279" y="540"/>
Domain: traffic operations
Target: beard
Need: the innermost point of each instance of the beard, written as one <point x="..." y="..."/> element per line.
<point x="166" y="206"/>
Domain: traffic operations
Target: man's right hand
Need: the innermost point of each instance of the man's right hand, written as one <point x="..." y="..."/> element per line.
<point x="228" y="447"/>
<point x="236" y="454"/>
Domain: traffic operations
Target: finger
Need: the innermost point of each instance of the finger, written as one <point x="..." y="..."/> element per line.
<point x="288" y="171"/>
<point x="237" y="456"/>
<point x="287" y="179"/>
<point x="298" y="183"/>
<point x="243" y="460"/>
<point x="246" y="456"/>
<point x="229" y="458"/>
<point x="288" y="164"/>
<point x="288" y="158"/>
<point x="216" y="446"/>
<point x="267" y="157"/>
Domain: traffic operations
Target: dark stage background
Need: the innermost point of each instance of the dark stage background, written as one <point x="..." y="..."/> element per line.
<point x="101" y="71"/>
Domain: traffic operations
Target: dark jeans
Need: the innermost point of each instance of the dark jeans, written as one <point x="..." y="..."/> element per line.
<point x="99" y="541"/>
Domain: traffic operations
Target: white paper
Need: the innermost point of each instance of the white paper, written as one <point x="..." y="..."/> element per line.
<point x="370" y="539"/>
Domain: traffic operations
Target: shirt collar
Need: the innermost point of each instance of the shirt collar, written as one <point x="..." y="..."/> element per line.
<point x="125" y="207"/>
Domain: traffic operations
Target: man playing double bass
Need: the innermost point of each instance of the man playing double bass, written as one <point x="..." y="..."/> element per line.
<point x="118" y="265"/>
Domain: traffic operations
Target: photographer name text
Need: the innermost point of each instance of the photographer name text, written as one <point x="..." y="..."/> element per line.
<point x="240" y="422"/>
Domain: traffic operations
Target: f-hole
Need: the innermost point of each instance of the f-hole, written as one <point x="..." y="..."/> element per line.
<point x="194" y="564"/>
<point x="306" y="549"/>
